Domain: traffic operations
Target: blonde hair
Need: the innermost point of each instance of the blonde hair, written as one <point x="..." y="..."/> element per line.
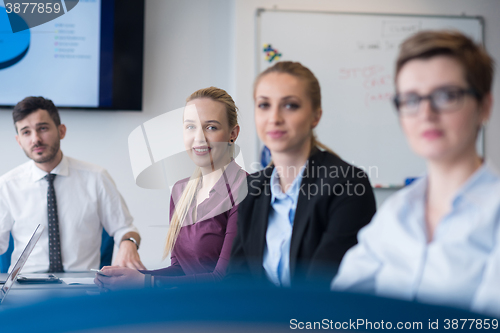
<point x="313" y="89"/>
<point x="189" y="193"/>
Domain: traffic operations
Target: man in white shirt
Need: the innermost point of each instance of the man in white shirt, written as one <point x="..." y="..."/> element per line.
<point x="74" y="200"/>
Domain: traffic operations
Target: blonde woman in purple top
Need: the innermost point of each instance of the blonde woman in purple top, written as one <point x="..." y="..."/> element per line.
<point x="204" y="207"/>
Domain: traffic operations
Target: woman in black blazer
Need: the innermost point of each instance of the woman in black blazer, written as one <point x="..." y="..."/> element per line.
<point x="302" y="212"/>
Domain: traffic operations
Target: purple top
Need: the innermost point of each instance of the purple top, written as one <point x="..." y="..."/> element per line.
<point x="202" y="249"/>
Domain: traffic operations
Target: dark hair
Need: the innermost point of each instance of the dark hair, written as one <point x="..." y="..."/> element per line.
<point x="31" y="104"/>
<point x="477" y="64"/>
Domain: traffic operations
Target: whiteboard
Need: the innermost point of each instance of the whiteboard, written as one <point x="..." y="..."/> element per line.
<point x="353" y="56"/>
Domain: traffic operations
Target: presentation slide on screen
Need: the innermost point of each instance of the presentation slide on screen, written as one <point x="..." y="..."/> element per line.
<point x="58" y="60"/>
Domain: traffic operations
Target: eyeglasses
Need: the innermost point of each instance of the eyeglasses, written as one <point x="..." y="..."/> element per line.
<point x="442" y="100"/>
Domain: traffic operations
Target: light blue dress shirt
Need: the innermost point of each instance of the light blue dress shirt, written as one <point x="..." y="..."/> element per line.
<point x="459" y="267"/>
<point x="279" y="230"/>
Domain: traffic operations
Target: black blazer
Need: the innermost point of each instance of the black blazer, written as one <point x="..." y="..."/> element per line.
<point x="325" y="224"/>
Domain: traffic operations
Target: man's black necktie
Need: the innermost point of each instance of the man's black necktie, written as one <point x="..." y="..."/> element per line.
<point x="55" y="261"/>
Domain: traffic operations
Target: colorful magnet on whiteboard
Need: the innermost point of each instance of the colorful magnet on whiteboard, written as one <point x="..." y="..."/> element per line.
<point x="408" y="181"/>
<point x="271" y="54"/>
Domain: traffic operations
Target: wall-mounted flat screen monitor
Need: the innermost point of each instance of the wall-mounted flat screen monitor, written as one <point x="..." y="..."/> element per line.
<point x="90" y="57"/>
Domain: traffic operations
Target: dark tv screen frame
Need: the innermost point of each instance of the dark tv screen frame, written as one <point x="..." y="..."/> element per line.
<point x="120" y="58"/>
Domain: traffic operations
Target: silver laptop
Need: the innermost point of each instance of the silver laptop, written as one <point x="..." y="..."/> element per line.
<point x="20" y="262"/>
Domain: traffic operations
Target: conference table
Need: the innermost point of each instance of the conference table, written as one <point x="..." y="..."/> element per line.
<point x="22" y="294"/>
<point x="214" y="308"/>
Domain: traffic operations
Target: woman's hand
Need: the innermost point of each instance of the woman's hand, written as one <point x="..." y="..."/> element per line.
<point x="119" y="278"/>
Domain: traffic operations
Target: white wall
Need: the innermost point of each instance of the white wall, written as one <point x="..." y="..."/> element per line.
<point x="190" y="44"/>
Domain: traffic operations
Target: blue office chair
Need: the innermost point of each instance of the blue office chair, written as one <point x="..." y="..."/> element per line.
<point x="107" y="245"/>
<point x="5" y="258"/>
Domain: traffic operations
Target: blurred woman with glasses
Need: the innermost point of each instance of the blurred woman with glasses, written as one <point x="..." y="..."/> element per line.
<point x="437" y="240"/>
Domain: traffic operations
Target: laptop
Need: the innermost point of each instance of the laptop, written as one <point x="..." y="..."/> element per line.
<point x="20" y="262"/>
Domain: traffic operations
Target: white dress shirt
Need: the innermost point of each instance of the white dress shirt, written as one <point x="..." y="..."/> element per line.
<point x="459" y="267"/>
<point x="87" y="201"/>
